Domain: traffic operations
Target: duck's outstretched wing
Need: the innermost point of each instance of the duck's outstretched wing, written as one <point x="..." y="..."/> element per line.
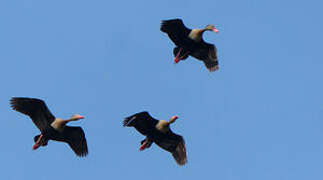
<point x="176" y="31"/>
<point x="75" y="138"/>
<point x="174" y="144"/>
<point x="142" y="121"/>
<point x="36" y="109"/>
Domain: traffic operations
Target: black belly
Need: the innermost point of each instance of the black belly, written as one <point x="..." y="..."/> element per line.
<point x="51" y="134"/>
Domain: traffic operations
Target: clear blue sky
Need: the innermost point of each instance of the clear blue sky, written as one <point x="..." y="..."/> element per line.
<point x="260" y="117"/>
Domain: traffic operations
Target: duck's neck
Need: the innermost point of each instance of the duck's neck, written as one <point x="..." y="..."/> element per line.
<point x="59" y="124"/>
<point x="162" y="126"/>
<point x="196" y="34"/>
<point x="70" y="119"/>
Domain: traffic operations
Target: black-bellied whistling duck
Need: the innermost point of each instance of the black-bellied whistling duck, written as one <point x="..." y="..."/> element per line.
<point x="159" y="132"/>
<point x="189" y="42"/>
<point x="51" y="128"/>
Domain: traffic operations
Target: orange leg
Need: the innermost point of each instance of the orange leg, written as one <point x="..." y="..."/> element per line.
<point x="143" y="146"/>
<point x="178" y="58"/>
<point x="37" y="145"/>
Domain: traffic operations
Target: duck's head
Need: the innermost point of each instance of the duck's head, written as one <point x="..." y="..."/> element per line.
<point x="211" y="27"/>
<point x="76" y="117"/>
<point x="172" y="119"/>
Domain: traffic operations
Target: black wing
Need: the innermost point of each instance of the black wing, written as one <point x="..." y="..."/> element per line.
<point x="208" y="54"/>
<point x="75" y="138"/>
<point x="142" y="121"/>
<point x="36" y="109"/>
<point x="211" y="62"/>
<point x="174" y="144"/>
<point x="176" y="31"/>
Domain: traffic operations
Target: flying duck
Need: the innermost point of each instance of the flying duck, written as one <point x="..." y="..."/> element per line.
<point x="159" y="132"/>
<point x="189" y="42"/>
<point x="51" y="128"/>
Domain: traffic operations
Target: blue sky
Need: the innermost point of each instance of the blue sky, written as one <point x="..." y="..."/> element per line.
<point x="258" y="117"/>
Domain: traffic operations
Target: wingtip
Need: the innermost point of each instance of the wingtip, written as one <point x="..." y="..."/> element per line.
<point x="214" y="68"/>
<point x="82" y="155"/>
<point x="12" y="100"/>
<point x="181" y="162"/>
<point x="126" y="122"/>
<point x="162" y="26"/>
<point x="180" y="154"/>
<point x="165" y="24"/>
<point x="13" y="103"/>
